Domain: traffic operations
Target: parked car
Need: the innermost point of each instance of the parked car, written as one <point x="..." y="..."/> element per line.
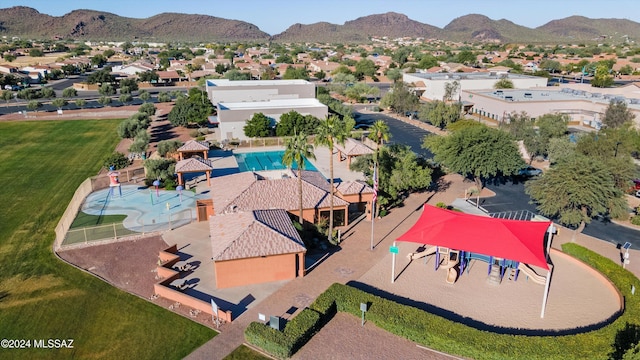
<point x="362" y="127"/>
<point x="529" y="171"/>
<point x="638" y="193"/>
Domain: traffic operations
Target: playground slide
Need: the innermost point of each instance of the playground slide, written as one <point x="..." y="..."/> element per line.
<point x="452" y="275"/>
<point x="532" y="274"/>
<point x="418" y="255"/>
<point x="454" y="259"/>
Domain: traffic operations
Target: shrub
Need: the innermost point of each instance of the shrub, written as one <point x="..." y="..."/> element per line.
<point x="168" y="147"/>
<point x="441" y="334"/>
<point x="117" y="160"/>
<point x="636" y="220"/>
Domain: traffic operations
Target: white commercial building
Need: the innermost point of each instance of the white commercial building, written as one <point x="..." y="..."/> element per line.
<point x="233" y="116"/>
<point x="580" y="102"/>
<point x="223" y="90"/>
<point x="431" y="86"/>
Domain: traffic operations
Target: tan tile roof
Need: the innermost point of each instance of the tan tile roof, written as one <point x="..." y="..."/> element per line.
<point x="252" y="234"/>
<point x="193" y="145"/>
<point x="243" y="192"/>
<point x="353" y="147"/>
<point x="315" y="178"/>
<point x="354" y="187"/>
<point x="194" y="164"/>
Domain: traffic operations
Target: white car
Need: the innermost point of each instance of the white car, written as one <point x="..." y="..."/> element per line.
<point x="638" y="193"/>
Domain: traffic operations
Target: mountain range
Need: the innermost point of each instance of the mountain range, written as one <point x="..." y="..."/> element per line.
<point x="26" y="22"/>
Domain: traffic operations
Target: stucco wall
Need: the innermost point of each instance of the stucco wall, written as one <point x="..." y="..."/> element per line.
<point x="258" y="270"/>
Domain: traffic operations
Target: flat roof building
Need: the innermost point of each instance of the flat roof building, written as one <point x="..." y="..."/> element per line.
<point x="224" y="90"/>
<point x="580" y="102"/>
<point x="431" y="86"/>
<point x="232" y="116"/>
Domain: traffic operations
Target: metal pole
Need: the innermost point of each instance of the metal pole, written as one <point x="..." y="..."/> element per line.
<point x="393" y="265"/>
<point x="373" y="216"/>
<point x="546" y="291"/>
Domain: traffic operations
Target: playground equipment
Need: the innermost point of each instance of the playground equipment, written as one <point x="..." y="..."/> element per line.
<point x="113" y="181"/>
<point x="449" y="261"/>
<point x="455" y="262"/>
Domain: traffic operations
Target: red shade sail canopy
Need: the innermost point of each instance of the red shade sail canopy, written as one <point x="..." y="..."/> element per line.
<point x="517" y="240"/>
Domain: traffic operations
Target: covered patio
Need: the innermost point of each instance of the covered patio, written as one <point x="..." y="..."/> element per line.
<point x="352" y="148"/>
<point x="194" y="165"/>
<point x="193" y="147"/>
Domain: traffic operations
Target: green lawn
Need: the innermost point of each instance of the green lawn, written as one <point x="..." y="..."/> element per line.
<point x="244" y="353"/>
<point x="84" y="220"/>
<point x="41" y="165"/>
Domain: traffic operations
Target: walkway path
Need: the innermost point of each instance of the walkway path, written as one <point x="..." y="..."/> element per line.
<point x="354" y="260"/>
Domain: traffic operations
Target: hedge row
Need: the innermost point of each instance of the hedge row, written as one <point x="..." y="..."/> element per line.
<point x="454" y="338"/>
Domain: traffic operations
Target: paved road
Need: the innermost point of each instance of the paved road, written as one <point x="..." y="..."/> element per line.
<point x="510" y="195"/>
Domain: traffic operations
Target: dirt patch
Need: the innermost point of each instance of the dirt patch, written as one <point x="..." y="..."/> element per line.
<point x="131" y="266"/>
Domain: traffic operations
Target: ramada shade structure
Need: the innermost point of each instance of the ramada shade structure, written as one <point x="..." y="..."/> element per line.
<point x="522" y="241"/>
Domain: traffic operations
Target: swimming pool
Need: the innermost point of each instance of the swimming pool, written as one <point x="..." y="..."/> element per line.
<point x="266" y="160"/>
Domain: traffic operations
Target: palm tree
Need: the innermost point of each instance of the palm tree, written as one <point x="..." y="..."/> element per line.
<point x="297" y="148"/>
<point x="333" y="131"/>
<point x="378" y="132"/>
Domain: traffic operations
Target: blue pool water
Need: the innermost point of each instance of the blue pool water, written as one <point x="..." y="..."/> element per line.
<point x="266" y="160"/>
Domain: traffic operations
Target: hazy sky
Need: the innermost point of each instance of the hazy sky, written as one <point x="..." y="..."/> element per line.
<point x="275" y="16"/>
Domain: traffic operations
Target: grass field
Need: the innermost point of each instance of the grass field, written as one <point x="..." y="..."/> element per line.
<point x="244" y="353"/>
<point x="41" y="297"/>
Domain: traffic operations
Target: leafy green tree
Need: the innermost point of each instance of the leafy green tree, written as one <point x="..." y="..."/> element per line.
<point x="617" y="114"/>
<point x="140" y="142"/>
<point x="602" y="77"/>
<point x="293" y="121"/>
<point x="295" y="73"/>
<point x="33" y="105"/>
<point x="551" y="66"/>
<point x="144" y="95"/>
<point x="400" y="99"/>
<point x="125" y="98"/>
<point x="550" y="126"/>
<point x="284" y="59"/>
<point x="47" y="93"/>
<point x="258" y="126"/>
<point x="560" y="148"/>
<point x="297" y="149"/>
<point x="235" y="74"/>
<point x="161" y="169"/>
<point x="6" y="95"/>
<point x="576" y="190"/>
<point x="169" y="147"/>
<point x="106" y="89"/>
<point x="117" y="160"/>
<point x="365" y="67"/>
<point x="164" y="97"/>
<point x="98" y="60"/>
<point x="439" y="113"/>
<point x="503" y="84"/>
<point x="451" y="90"/>
<point x="394" y="74"/>
<point x="466" y="57"/>
<point x="401" y="55"/>
<point x="149" y="76"/>
<point x="476" y="151"/>
<point x="359" y="91"/>
<point x="81" y="103"/>
<point x="101" y="77"/>
<point x="147" y="108"/>
<point x="36" y="52"/>
<point x="400" y="171"/>
<point x="59" y="103"/>
<point x="129" y="83"/>
<point x="332" y="131"/>
<point x="194" y="109"/>
<point x="69" y="92"/>
<point x="108" y="53"/>
<point x="104" y="100"/>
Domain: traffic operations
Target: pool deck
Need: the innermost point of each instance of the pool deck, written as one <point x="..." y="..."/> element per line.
<point x="224" y="163"/>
